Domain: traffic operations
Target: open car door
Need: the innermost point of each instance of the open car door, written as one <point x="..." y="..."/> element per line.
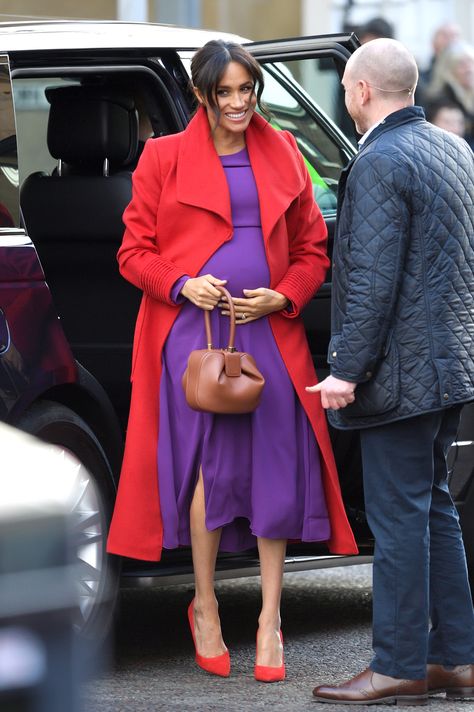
<point x="304" y="95"/>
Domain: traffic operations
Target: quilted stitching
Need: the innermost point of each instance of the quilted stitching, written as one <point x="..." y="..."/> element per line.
<point x="404" y="268"/>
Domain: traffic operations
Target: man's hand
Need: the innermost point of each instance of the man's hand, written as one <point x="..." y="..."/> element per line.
<point x="335" y="393"/>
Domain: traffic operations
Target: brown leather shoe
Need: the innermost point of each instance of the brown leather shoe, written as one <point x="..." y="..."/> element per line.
<point x="457" y="682"/>
<point x="371" y="688"/>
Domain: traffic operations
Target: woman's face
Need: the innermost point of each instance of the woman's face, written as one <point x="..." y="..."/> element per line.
<point x="235" y="98"/>
<point x="450" y="118"/>
<point x="464" y="72"/>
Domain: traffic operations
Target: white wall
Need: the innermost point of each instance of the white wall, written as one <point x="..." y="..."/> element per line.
<point x="414" y="20"/>
<point x="132" y="10"/>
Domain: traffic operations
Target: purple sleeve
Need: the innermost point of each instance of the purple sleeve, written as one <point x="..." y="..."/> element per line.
<point x="177" y="287"/>
<point x="290" y="310"/>
<point x="179" y="299"/>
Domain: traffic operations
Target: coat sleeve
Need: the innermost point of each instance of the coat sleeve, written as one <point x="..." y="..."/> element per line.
<point x="374" y="250"/>
<point x="139" y="259"/>
<point x="307" y="245"/>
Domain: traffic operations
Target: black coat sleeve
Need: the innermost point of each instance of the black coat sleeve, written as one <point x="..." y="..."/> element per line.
<point x="373" y="253"/>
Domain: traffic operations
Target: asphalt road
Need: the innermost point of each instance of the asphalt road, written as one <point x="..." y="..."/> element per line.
<point x="326" y="625"/>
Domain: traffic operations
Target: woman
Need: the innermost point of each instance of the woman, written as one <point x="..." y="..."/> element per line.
<point x="453" y="81"/>
<point x="446" y="115"/>
<point x="226" y="202"/>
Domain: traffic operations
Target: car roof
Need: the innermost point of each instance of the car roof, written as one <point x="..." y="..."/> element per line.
<point x="72" y="35"/>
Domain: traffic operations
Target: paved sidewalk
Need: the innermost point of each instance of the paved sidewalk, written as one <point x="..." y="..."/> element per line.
<point x="326" y="624"/>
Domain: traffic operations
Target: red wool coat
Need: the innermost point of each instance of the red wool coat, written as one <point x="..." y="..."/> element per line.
<point x="179" y="216"/>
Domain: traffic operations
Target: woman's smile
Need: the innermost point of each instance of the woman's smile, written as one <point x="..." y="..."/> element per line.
<point x="236" y="116"/>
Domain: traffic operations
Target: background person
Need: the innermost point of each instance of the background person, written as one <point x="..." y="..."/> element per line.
<point x="209" y="208"/>
<point x="447" y="116"/>
<point x="403" y="345"/>
<point x="454" y="82"/>
<point x="444" y="36"/>
<point x="374" y="28"/>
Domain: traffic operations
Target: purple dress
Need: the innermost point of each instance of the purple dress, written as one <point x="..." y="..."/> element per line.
<point x="261" y="471"/>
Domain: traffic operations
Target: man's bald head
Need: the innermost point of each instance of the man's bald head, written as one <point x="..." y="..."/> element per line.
<point x="387" y="66"/>
<point x="380" y="78"/>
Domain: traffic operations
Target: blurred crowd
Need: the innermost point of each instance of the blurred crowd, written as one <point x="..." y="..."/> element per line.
<point x="446" y="87"/>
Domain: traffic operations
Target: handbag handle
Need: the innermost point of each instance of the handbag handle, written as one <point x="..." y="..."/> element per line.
<point x="207" y="320"/>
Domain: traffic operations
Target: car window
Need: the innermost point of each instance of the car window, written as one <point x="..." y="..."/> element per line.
<point x="9" y="198"/>
<point x="320" y="78"/>
<point x="32" y="111"/>
<point x="310" y="114"/>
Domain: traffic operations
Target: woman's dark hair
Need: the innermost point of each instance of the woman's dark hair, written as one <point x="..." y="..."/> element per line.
<point x="209" y="64"/>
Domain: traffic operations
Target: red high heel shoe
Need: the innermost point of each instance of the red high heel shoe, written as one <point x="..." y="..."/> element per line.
<point x="218" y="665"/>
<point x="266" y="673"/>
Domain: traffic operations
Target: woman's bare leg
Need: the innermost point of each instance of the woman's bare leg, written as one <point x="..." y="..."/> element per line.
<point x="272" y="559"/>
<point x="205" y="545"/>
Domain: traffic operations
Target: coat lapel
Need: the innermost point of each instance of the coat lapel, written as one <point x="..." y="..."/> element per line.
<point x="277" y="171"/>
<point x="200" y="177"/>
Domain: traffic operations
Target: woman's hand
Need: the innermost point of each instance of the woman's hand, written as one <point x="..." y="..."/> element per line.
<point x="202" y="292"/>
<point x="257" y="303"/>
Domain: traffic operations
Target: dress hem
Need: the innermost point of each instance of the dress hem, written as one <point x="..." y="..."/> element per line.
<point x="184" y="536"/>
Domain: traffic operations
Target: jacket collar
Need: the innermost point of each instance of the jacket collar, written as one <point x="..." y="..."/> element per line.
<point x="397" y="118"/>
<point x="403" y="116"/>
<point x="201" y="179"/>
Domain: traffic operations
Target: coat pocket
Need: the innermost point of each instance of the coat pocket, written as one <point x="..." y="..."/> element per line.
<point x="381" y="393"/>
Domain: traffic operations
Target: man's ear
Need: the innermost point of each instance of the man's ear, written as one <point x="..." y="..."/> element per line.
<point x="364" y="91"/>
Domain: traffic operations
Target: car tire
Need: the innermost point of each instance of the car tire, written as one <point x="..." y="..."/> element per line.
<point x="98" y="572"/>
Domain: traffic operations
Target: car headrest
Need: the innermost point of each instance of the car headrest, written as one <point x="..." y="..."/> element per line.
<point x="88" y="124"/>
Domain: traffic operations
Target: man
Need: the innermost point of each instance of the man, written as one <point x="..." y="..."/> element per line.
<point x="375" y="28"/>
<point x="402" y="364"/>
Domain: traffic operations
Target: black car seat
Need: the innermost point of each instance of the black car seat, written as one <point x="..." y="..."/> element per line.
<point x="74" y="217"/>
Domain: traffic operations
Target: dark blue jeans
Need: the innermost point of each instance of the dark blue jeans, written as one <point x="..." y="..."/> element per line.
<point x="420" y="568"/>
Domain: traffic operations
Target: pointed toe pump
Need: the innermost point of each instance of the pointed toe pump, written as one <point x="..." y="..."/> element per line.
<point x="218" y="665"/>
<point x="266" y="673"/>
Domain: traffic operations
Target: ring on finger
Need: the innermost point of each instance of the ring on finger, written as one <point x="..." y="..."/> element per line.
<point x="243" y="315"/>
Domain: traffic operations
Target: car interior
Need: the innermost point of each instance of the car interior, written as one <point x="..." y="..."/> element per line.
<point x="95" y="129"/>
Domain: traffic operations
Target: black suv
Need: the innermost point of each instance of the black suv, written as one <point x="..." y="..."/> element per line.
<point x="77" y="102"/>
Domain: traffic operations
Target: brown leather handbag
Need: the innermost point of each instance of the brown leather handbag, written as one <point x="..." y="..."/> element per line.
<point x="220" y="380"/>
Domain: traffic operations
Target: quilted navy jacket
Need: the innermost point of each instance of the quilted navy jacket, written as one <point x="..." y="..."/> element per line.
<point x="403" y="273"/>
